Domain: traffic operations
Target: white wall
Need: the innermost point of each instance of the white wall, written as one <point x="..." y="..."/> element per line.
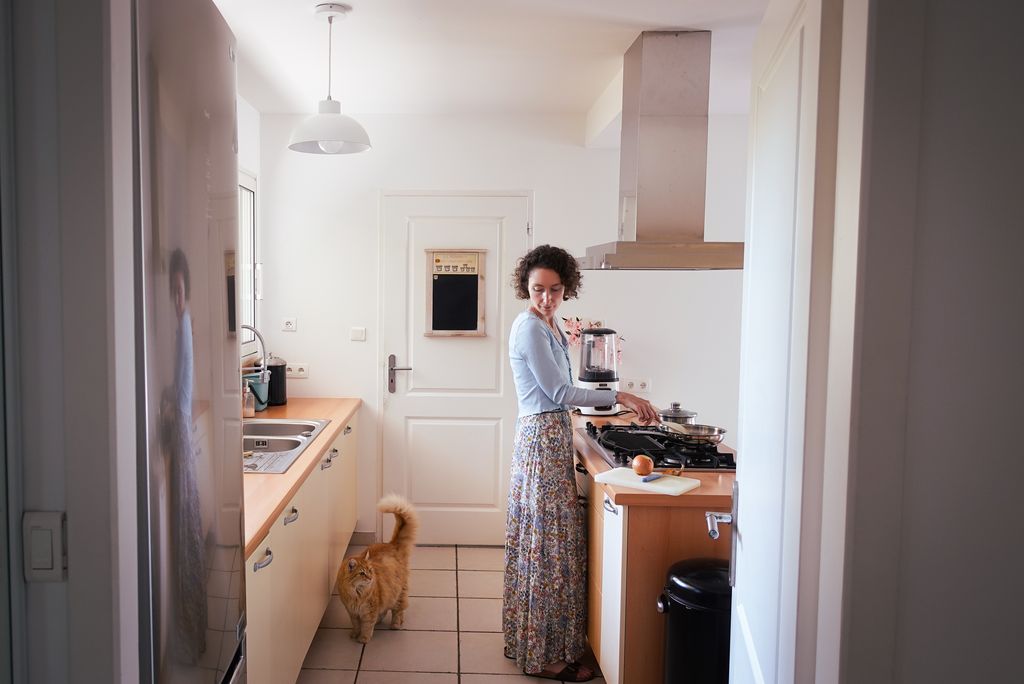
<point x="681" y="331"/>
<point x="320" y="253"/>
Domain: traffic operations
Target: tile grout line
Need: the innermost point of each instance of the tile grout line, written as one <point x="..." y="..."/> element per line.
<point x="359" y="665"/>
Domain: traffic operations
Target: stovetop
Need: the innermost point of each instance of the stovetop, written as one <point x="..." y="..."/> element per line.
<point x="618" y="444"/>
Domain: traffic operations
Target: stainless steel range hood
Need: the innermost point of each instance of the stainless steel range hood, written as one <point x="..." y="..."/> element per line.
<point x="663" y="159"/>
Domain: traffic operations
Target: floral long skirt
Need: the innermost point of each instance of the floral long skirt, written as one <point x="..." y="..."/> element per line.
<point x="544" y="609"/>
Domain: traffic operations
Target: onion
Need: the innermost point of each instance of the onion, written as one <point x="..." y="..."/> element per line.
<point x="643" y="465"/>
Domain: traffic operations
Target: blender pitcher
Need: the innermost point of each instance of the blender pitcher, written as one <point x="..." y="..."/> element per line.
<point x="599" y="369"/>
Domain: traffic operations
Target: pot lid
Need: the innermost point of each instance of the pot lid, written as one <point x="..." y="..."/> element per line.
<point x="674" y="410"/>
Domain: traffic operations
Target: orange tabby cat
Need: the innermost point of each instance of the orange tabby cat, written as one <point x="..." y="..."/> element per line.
<point x="377" y="580"/>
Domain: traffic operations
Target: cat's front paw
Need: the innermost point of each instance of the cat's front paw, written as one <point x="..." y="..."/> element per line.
<point x="397" y="620"/>
<point x="364" y="638"/>
<point x="354" y="634"/>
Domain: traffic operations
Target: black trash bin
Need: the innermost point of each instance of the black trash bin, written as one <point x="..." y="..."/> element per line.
<point x="696" y="601"/>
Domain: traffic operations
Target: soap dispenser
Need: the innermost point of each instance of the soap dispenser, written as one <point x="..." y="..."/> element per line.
<point x="248" y="402"/>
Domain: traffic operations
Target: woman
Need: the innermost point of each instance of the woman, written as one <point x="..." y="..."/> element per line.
<point x="544" y="611"/>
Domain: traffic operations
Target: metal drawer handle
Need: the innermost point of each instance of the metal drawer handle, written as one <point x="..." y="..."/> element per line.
<point x="580" y="468"/>
<point x="293" y="517"/>
<point x="348" y="428"/>
<point x="267" y="560"/>
<point x="324" y="465"/>
<point x="610" y="507"/>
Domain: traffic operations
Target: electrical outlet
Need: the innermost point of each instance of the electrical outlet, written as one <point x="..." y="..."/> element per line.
<point x="297" y="370"/>
<point x="628" y="385"/>
<point x="289" y="325"/>
<point x="643" y="385"/>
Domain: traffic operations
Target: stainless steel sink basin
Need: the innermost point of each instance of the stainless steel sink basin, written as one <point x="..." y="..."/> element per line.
<point x="257" y="443"/>
<point x="285" y="428"/>
<point x="272" y="445"/>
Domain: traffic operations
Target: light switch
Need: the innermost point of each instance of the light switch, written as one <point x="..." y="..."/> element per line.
<point x="41" y="551"/>
<point x="43" y="542"/>
<point x="358" y="334"/>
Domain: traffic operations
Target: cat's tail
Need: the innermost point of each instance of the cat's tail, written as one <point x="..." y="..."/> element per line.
<point x="407" y="522"/>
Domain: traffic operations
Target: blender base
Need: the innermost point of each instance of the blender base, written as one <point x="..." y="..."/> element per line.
<point x="599" y="410"/>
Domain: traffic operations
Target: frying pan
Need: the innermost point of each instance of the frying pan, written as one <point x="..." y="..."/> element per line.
<point x="708" y="434"/>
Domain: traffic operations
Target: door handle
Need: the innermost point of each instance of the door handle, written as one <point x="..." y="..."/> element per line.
<point x="391" y="372"/>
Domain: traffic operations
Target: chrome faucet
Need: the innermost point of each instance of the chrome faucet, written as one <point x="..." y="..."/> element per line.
<point x="263" y="345"/>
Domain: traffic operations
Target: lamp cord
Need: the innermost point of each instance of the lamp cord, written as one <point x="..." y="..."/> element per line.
<point x="330" y="27"/>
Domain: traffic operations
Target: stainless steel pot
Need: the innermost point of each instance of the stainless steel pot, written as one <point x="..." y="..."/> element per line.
<point x="676" y="414"/>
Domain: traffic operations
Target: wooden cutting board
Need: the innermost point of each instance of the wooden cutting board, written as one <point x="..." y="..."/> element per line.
<point x="666" y="484"/>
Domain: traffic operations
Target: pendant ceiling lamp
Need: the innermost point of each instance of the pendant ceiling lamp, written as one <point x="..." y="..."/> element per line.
<point x="329" y="131"/>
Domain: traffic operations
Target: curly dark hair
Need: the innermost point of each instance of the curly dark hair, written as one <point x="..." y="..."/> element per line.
<point x="179" y="264"/>
<point x="554" y="258"/>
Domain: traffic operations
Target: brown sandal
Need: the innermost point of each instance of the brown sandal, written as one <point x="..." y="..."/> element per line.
<point x="572" y="672"/>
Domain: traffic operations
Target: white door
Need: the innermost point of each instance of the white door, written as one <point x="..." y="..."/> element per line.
<point x="789" y="168"/>
<point x="449" y="424"/>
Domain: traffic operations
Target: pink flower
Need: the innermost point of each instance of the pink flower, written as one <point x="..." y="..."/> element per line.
<point x="575" y="326"/>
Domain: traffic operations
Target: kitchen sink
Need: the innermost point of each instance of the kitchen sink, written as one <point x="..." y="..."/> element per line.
<point x="271" y="427"/>
<point x="257" y="443"/>
<point x="272" y="445"/>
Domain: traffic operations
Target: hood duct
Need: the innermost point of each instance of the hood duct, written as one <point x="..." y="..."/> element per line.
<point x="663" y="159"/>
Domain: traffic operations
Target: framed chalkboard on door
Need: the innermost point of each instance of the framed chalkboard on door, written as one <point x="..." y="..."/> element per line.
<point x="455" y="293"/>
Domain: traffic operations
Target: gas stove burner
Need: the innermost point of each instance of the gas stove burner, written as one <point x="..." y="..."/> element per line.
<point x="620" y="443"/>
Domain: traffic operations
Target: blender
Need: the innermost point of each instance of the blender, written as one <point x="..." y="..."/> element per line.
<point x="599" y="366"/>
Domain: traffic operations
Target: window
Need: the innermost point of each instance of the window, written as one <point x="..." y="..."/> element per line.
<point x="249" y="266"/>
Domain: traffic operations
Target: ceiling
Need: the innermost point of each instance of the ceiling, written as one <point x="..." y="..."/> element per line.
<point x="471" y="56"/>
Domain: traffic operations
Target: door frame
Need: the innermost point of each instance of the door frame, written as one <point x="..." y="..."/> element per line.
<point x="12" y="606"/>
<point x="810" y="636"/>
<point x="382" y="197"/>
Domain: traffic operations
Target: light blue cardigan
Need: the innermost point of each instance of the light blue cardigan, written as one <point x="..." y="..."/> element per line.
<point x="542" y="371"/>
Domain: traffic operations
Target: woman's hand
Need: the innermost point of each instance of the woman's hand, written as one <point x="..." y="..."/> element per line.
<point x="644" y="410"/>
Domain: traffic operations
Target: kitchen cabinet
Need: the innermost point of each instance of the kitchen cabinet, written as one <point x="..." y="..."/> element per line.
<point x="630" y="548"/>
<point x="282" y="608"/>
<point x="341" y="498"/>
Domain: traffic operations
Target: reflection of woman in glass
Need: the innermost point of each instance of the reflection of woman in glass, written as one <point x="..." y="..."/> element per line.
<point x="188" y="582"/>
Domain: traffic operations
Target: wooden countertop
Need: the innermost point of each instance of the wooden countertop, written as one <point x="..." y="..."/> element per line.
<point x="266" y="494"/>
<point x="714" y="493"/>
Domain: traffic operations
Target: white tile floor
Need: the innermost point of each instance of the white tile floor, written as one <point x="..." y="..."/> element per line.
<point x="452" y="632"/>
